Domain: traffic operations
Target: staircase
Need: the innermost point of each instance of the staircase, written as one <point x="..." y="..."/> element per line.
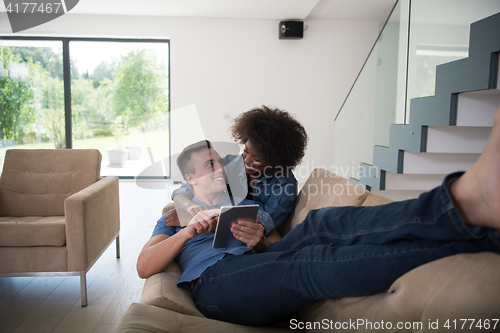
<point x="448" y="131"/>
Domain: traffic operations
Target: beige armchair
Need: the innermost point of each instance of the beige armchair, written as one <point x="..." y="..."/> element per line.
<point x="57" y="215"/>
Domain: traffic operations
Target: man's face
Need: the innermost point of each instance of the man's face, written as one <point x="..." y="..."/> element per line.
<point x="208" y="176"/>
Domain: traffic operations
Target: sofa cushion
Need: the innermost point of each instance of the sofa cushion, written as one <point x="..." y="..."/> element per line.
<point x="452" y="288"/>
<point x="35" y="182"/>
<point x="323" y="189"/>
<point x="161" y="290"/>
<point x="375" y="200"/>
<point x="147" y="318"/>
<point x="32" y="231"/>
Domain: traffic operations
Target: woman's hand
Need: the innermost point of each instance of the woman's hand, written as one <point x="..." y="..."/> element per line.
<point x="194" y="209"/>
<point x="249" y="232"/>
<point x="172" y="219"/>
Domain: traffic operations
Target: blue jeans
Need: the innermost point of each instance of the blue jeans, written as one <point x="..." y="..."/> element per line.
<point x="339" y="252"/>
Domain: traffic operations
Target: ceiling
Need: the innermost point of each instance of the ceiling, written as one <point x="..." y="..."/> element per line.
<point x="376" y="10"/>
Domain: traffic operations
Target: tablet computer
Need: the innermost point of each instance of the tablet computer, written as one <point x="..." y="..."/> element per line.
<point x="228" y="215"/>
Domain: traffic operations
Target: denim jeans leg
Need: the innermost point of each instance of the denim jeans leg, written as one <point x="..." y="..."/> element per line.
<point x="432" y="217"/>
<point x="338" y="253"/>
<point x="262" y="288"/>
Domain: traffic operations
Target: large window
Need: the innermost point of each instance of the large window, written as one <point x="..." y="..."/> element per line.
<point x="31" y="95"/>
<point x="108" y="94"/>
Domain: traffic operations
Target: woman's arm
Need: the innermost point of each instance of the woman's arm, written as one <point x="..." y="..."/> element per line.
<point x="281" y="201"/>
<point x="184" y="202"/>
<point x="182" y="197"/>
<point x="184" y="210"/>
<point x="274" y="237"/>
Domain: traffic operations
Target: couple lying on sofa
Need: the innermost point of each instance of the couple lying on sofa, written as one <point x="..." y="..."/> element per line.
<point x="335" y="252"/>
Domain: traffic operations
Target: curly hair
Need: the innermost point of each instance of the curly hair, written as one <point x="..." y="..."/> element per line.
<point x="278" y="137"/>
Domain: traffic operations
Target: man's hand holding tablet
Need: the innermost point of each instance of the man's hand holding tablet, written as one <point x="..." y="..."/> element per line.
<point x="204" y="222"/>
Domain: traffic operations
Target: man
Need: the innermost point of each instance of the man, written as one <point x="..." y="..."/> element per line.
<point x="203" y="170"/>
<point x="344" y="251"/>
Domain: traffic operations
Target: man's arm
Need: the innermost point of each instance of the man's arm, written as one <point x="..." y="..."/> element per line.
<point x="162" y="249"/>
<point x="158" y="253"/>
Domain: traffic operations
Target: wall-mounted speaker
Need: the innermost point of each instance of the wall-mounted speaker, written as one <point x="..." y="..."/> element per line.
<point x="291" y="29"/>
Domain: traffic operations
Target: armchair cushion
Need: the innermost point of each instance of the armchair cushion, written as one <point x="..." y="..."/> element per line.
<point x="32" y="231"/>
<point x="36" y="182"/>
<point x="18" y="259"/>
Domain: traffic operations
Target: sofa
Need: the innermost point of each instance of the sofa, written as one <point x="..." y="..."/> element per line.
<point x="437" y="296"/>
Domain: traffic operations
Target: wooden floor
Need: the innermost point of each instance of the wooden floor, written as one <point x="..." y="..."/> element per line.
<point x="52" y="304"/>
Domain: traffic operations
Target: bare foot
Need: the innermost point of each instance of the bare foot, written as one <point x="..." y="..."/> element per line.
<point x="477" y="193"/>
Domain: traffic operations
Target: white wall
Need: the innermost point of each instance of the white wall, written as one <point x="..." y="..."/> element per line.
<point x="227" y="66"/>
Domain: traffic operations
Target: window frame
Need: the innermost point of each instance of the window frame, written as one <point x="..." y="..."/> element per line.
<point x="67" y="82"/>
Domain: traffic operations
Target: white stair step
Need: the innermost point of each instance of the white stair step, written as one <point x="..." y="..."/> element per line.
<point x="478" y="108"/>
<point x="430" y="163"/>
<point x="412" y="182"/>
<point x="456" y="139"/>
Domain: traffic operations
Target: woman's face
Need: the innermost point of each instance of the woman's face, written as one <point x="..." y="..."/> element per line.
<point x="253" y="161"/>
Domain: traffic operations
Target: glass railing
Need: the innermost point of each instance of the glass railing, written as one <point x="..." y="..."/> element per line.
<point x="439" y="33"/>
<point x="418" y="36"/>
<point x="373" y="99"/>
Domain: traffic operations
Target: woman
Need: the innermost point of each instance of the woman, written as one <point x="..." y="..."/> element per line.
<point x="274" y="143"/>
